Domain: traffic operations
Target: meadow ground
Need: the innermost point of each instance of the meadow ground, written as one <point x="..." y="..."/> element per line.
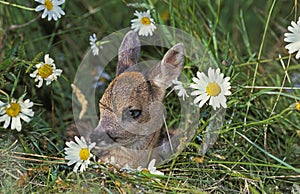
<point x="258" y="146"/>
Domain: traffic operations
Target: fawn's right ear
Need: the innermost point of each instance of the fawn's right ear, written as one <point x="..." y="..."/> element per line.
<point x="170" y="67"/>
<point x="129" y="52"/>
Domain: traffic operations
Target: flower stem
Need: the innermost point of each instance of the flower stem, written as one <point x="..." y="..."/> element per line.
<point x="18" y="6"/>
<point x="1" y="91"/>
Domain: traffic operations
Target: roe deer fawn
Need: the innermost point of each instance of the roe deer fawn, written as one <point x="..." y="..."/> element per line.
<point x="131" y="109"/>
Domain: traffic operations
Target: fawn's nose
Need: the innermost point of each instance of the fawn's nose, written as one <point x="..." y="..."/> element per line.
<point x="101" y="138"/>
<point x="105" y="133"/>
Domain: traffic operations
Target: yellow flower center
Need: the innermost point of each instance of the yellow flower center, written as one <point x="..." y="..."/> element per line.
<point x="13" y="110"/>
<point x="102" y="79"/>
<point x="45" y="71"/>
<point x="84" y="154"/>
<point x="298" y="105"/>
<point x="48" y="4"/>
<point x="213" y="89"/>
<point x="146" y="21"/>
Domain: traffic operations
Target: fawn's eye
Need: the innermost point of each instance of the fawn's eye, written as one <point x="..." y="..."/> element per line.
<point x="131" y="113"/>
<point x="135" y="113"/>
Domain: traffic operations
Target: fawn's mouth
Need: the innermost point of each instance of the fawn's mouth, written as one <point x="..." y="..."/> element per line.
<point x="114" y="138"/>
<point x="122" y="139"/>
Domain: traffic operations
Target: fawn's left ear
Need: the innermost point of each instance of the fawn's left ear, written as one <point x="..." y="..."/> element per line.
<point x="170" y="67"/>
<point x="129" y="52"/>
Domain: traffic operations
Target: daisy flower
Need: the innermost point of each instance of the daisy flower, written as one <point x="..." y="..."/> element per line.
<point x="51" y="8"/>
<point x="79" y="153"/>
<point x="213" y="87"/>
<point x="296" y="79"/>
<point x="128" y="169"/>
<point x="181" y="90"/>
<point x="101" y="79"/>
<point x="15" y="110"/>
<point x="94" y="44"/>
<point x="293" y="38"/>
<point x="151" y="168"/>
<point x="144" y="24"/>
<point x="45" y="71"/>
<point x="297" y="106"/>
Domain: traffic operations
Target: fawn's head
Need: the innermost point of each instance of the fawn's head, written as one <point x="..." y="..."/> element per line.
<point x="131" y="109"/>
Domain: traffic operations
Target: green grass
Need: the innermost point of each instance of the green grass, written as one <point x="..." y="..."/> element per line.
<point x="258" y="150"/>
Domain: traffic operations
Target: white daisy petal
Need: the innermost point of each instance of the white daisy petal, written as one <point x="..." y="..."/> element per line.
<point x="74" y="156"/>
<point x="4" y="118"/>
<point x="45" y="13"/>
<point x="39" y="8"/>
<point x="293" y="38"/>
<point x="71" y="162"/>
<point x="213" y="103"/>
<point x="93" y="43"/>
<point x="47" y="59"/>
<point x="72" y="145"/>
<point x="181" y="90"/>
<point x="27" y="111"/>
<point x="223" y="102"/>
<point x="18" y="122"/>
<point x="48" y="82"/>
<point x="227" y="93"/>
<point x="27" y="103"/>
<point x="2" y="111"/>
<point x="50" y="16"/>
<point x="81" y="143"/>
<point x="152" y="168"/>
<point x="205" y="98"/>
<point x="203" y="101"/>
<point x="40" y="83"/>
<point x="91" y="146"/>
<point x="76" y="167"/>
<point x="298" y="54"/>
<point x="60" y="2"/>
<point x="14" y="122"/>
<point x="24" y="118"/>
<point x="293" y="47"/>
<point x="61" y="12"/>
<point x="197" y="93"/>
<point x="199" y="86"/>
<point x="196" y="80"/>
<point x="82" y="168"/>
<point x="210" y="73"/>
<point x="7" y="121"/>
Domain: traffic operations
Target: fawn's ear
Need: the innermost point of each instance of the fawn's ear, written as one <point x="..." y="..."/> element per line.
<point x="129" y="52"/>
<point x="170" y="67"/>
